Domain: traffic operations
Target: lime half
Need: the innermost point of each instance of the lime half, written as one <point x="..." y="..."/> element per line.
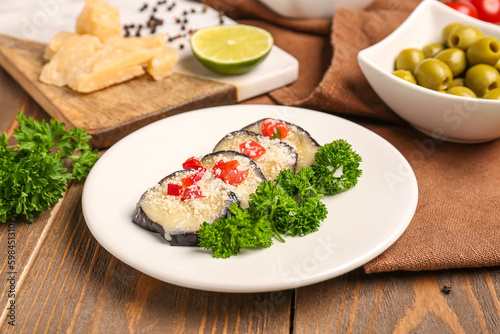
<point x="231" y="49"/>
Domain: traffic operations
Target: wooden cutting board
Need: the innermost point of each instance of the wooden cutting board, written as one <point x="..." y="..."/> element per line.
<point x="110" y="114"/>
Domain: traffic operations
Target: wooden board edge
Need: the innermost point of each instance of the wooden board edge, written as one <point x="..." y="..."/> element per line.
<point x="104" y="138"/>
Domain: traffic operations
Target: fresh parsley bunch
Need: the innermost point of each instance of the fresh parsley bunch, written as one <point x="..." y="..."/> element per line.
<point x="226" y="237"/>
<point x="289" y="205"/>
<point x="33" y="173"/>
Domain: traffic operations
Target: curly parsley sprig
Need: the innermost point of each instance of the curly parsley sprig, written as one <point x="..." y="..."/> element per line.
<point x="33" y="175"/>
<point x="333" y="159"/>
<point x="289" y="205"/>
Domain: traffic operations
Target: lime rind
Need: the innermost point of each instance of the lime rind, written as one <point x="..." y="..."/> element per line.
<point x="231" y="49"/>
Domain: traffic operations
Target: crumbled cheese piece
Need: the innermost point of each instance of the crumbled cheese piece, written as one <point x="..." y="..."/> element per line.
<point x="100" y="19"/>
<point x="161" y="65"/>
<point x="75" y="56"/>
<point x="55" y="44"/>
<point x="87" y="83"/>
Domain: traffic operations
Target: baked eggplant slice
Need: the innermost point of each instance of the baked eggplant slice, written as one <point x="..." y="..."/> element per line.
<point x="271" y="155"/>
<point x="291" y="134"/>
<point x="241" y="174"/>
<point x="178" y="205"/>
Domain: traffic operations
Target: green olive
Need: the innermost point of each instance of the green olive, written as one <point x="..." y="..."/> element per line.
<point x="457" y="82"/>
<point x="482" y="78"/>
<point x="493" y="94"/>
<point x="432" y="49"/>
<point x="455" y="58"/>
<point x="485" y="50"/>
<point x="407" y="59"/>
<point x="461" y="91"/>
<point x="433" y="74"/>
<point x="446" y="32"/>
<point x="497" y="65"/>
<point x="405" y="75"/>
<point x="463" y="37"/>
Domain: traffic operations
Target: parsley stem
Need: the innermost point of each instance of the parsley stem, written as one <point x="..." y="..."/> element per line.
<point x="278" y="235"/>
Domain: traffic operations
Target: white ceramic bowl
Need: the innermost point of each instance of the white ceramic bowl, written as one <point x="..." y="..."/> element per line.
<point x="442" y="116"/>
<point x="312" y="9"/>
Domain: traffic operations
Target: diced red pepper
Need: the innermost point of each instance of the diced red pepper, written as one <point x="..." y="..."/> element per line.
<point x="192" y="163"/>
<point x="253" y="149"/>
<point x="174" y="189"/>
<point x="187" y="181"/>
<point x="228" y="172"/>
<point x="222" y="167"/>
<point x="231" y="164"/>
<point x="233" y="176"/>
<point x="193" y="177"/>
<point x="239" y="177"/>
<point x="270" y="127"/>
<point x="191" y="192"/>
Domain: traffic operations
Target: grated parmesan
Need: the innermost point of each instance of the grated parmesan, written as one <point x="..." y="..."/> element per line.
<point x="277" y="157"/>
<point x="177" y="216"/>
<point x="247" y="186"/>
<point x="299" y="139"/>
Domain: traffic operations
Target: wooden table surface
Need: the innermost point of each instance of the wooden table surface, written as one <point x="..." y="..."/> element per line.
<point x="65" y="282"/>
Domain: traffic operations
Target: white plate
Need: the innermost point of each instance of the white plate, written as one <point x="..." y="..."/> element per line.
<point x="361" y="224"/>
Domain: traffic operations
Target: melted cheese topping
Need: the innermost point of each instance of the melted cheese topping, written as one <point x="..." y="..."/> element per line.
<point x="299" y="139"/>
<point x="244" y="188"/>
<point x="177" y="216"/>
<point x="277" y="157"/>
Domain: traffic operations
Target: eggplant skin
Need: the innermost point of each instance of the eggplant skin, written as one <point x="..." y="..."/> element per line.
<point x="143" y="221"/>
<point x="177" y="238"/>
<point x="184" y="239"/>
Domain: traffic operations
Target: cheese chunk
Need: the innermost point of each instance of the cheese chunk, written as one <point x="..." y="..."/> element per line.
<point x="161" y="65"/>
<point x="76" y="55"/>
<point x="55" y="44"/>
<point x="100" y="19"/>
<point x="114" y="57"/>
<point x="89" y="82"/>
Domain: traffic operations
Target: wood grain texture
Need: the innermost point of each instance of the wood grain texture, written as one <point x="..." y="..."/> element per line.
<point x="449" y="301"/>
<point x="111" y="113"/>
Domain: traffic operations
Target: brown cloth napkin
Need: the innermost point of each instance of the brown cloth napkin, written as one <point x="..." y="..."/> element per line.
<point x="457" y="220"/>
